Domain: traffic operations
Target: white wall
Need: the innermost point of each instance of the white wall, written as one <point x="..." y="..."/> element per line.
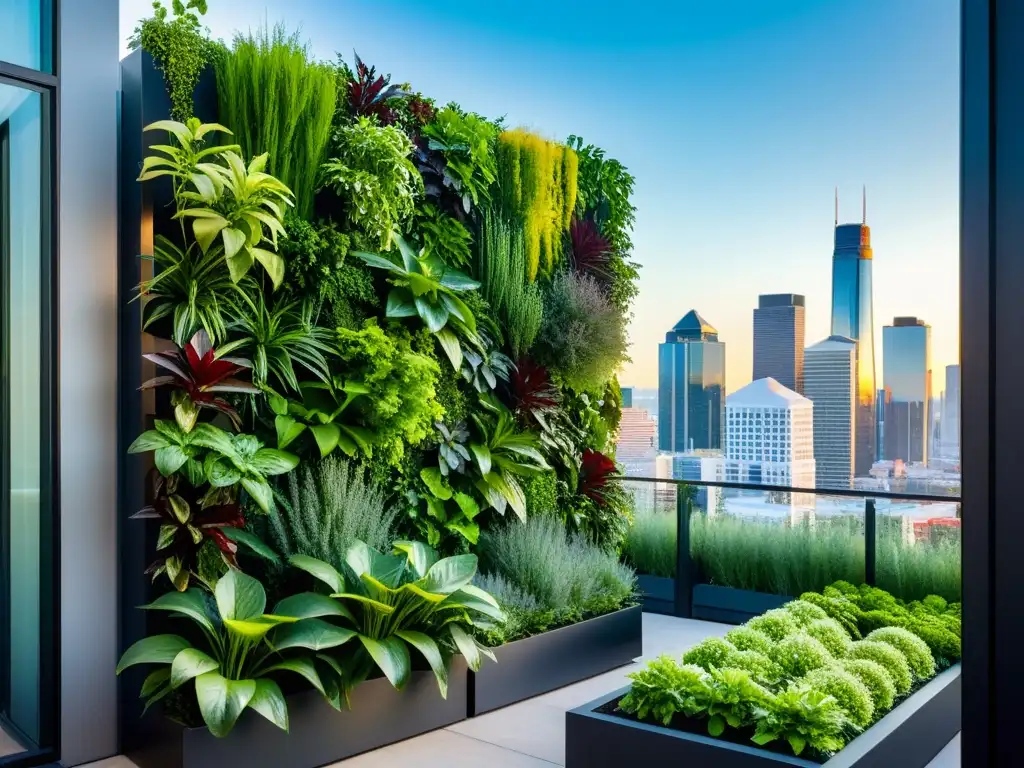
<point x="89" y="85"/>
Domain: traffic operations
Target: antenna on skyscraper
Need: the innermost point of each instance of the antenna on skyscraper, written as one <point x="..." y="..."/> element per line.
<point x="837" y="206"/>
<point x="864" y="204"/>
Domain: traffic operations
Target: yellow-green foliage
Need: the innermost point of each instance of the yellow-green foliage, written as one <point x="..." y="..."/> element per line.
<point x="537" y="188"/>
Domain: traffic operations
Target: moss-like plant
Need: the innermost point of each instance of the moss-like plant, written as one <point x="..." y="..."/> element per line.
<point x="746" y="638"/>
<point x="761" y="668"/>
<point x="831" y="634"/>
<point x="840" y="609"/>
<point x="894" y="662"/>
<point x="709" y="653"/>
<point x="853" y="696"/>
<point x="799" y="654"/>
<point x="776" y="624"/>
<point x="878" y="682"/>
<point x="804" y="613"/>
<point x="922" y="664"/>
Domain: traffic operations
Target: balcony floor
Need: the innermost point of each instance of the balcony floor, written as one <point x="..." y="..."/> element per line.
<point x="531" y="734"/>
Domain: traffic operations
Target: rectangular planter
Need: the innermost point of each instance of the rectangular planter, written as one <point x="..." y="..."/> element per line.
<point x="659" y="593"/>
<point x="909" y="737"/>
<point x="732" y="606"/>
<point x="319" y="735"/>
<point x="542" y="663"/>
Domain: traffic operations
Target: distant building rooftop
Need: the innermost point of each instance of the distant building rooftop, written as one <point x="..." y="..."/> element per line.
<point x="692" y="327"/>
<point x="766" y="393"/>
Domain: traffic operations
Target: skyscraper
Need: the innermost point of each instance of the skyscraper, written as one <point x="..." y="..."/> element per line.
<point x="691" y="386"/>
<point x="779" y="339"/>
<point x="830" y="382"/>
<point x="907" y="368"/>
<point x="951" y="414"/>
<point x="852" y="317"/>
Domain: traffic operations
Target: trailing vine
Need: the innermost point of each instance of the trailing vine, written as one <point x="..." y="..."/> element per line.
<point x="180" y="49"/>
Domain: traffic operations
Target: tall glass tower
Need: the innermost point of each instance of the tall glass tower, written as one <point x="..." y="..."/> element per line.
<point x="691" y="387"/>
<point x="907" y="368"/>
<point x="852" y="317"/>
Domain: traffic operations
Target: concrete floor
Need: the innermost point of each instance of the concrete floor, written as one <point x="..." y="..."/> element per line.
<point x="531" y="734"/>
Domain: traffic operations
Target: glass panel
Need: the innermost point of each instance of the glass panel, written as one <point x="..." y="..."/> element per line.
<point x="25" y="33"/>
<point x="650" y="545"/>
<point x="20" y="415"/>
<point x="919" y="549"/>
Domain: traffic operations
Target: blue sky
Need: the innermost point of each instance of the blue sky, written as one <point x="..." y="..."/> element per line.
<point x="737" y="117"/>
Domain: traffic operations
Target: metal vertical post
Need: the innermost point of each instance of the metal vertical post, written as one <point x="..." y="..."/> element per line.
<point x="684" y="585"/>
<point x="870" y="541"/>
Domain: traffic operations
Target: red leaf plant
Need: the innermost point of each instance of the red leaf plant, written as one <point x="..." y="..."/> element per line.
<point x="187" y="521"/>
<point x="595" y="471"/>
<point x="590" y="250"/>
<point x="196" y="371"/>
<point x="421" y="110"/>
<point x="369" y="93"/>
<point x="531" y="389"/>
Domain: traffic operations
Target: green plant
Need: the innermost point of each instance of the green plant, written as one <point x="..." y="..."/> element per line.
<point x="465" y="141"/>
<point x="888" y="657"/>
<point x="276" y="338"/>
<point x="804" y="613"/>
<point x="710" y="653"/>
<point x="371" y="172"/>
<point x="582" y="338"/>
<point x="411" y="598"/>
<point x="916" y="651"/>
<point x="524" y="613"/>
<point x="444" y="236"/>
<point x="831" y="634"/>
<point x="746" y="638"/>
<point x="853" y="696"/>
<point x="424" y="287"/>
<point x="874" y="677"/>
<point x="452" y="453"/>
<point x="541" y="492"/>
<point x="232" y="667"/>
<point x="776" y="624"/>
<point x="840" y="609"/>
<point x="762" y="669"/>
<point x="918" y="570"/>
<point x="799" y="653"/>
<point x="321" y="413"/>
<point x="664" y="689"/>
<point x="735" y="698"/>
<point x="803" y="717"/>
<point x="179" y="49"/>
<point x="277" y="100"/>
<point x="224" y="198"/>
<point x="650" y="543"/>
<point x="330" y="504"/>
<point x="313" y="251"/>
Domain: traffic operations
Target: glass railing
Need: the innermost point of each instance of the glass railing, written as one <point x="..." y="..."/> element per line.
<point x="747" y="547"/>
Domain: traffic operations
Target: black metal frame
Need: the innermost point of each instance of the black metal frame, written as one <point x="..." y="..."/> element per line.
<point x="47" y="84"/>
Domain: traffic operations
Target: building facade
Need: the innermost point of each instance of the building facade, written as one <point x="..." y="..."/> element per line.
<point x="691" y="387"/>
<point x="830" y="382"/>
<point x="636" y="449"/>
<point x="907" y="368"/>
<point x="693" y="466"/>
<point x="951" y="414"/>
<point x="779" y="339"/>
<point x="853" y="318"/>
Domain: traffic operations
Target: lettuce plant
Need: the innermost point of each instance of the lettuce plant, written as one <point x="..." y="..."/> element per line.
<point x="735" y="697"/>
<point x="803" y="612"/>
<point x="892" y="660"/>
<point x="911" y="646"/>
<point x="241" y="648"/>
<point x="761" y="668"/>
<point x="665" y="688"/>
<point x="746" y="638"/>
<point x="776" y="624"/>
<point x="800" y="653"/>
<point x="412" y="598"/>
<point x="831" y="634"/>
<point x="710" y="653"/>
<point x="803" y="717"/>
<point x="853" y="696"/>
<point x="878" y="682"/>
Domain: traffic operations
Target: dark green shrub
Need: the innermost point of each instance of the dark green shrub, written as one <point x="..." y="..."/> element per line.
<point x="878" y="682"/>
<point x="776" y="624"/>
<point x="922" y="664"/>
<point x="747" y="638"/>
<point x="894" y="662"/>
<point x="831" y="634"/>
<point x="799" y="653"/>
<point x="709" y="653"/>
<point x="853" y="696"/>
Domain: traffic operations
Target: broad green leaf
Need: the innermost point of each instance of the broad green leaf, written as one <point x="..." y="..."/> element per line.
<point x="158" y="649"/>
<point x="428" y="648"/>
<point x="388" y="569"/>
<point x="326" y="436"/>
<point x="288" y="430"/>
<point x="467" y="646"/>
<point x="409" y="258"/>
<point x="400" y="303"/>
<point x="425" y="286"/>
<point x="458" y="308"/>
<point x="373" y="260"/>
<point x="272" y="262"/>
<point x="221" y="701"/>
<point x="472" y="598"/>
<point x="166" y="536"/>
<point x="260" y="491"/>
<point x="716" y="725"/>
<point x="454" y="280"/>
<point x="277" y="403"/>
<point x="154" y="681"/>
<point x="469" y="531"/>
<point x="493" y="496"/>
<point x="180" y="508"/>
<point x="797" y="743"/>
<point x="270" y="461"/>
<point x="435" y="482"/>
<point x="148" y="441"/>
<point x="234" y="241"/>
<point x="220" y="472"/>
<point x="392" y="656"/>
<point x="239" y="264"/>
<point x="214" y="438"/>
<point x="180" y="130"/>
<point x="451" y="346"/>
<point x="170" y="459"/>
<point x="468" y="505"/>
<point x="239" y="596"/>
<point x="192" y="604"/>
<point x="310" y="605"/>
<point x="300" y="666"/>
<point x="420" y="556"/>
<point x="435" y="508"/>
<point x="451" y="573"/>
<point x="206" y="230"/>
<point x="319" y="570"/>
<point x="430" y="597"/>
<point x="314" y="634"/>
<point x="257" y="627"/>
<point x="252" y="541"/>
<point x="270" y="702"/>
<point x="191" y="663"/>
<point x="369" y="602"/>
<point x="432" y="313"/>
<point x="483" y="457"/>
<point x="360" y="436"/>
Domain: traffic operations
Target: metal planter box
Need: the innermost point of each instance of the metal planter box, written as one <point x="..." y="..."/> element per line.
<point x="319" y="735"/>
<point x="732" y="606"/>
<point x="542" y="663"/>
<point x="659" y="593"/>
<point x="909" y="736"/>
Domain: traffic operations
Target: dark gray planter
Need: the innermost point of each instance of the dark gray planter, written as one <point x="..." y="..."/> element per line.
<point x="732" y="606"/>
<point x="910" y="736"/>
<point x="542" y="663"/>
<point x="319" y="735"/>
<point x="659" y="593"/>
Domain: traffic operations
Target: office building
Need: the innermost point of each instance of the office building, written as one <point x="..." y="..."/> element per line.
<point x="691" y="387"/>
<point x="852" y="317"/>
<point x="907" y="368"/>
<point x="830" y="382"/>
<point x="692" y="466"/>
<point x="636" y="448"/>
<point x="880" y="403"/>
<point x="779" y="339"/>
<point x="951" y="414"/>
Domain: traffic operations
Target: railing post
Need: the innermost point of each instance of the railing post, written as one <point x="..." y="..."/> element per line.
<point x="684" y="586"/>
<point x="870" y="541"/>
